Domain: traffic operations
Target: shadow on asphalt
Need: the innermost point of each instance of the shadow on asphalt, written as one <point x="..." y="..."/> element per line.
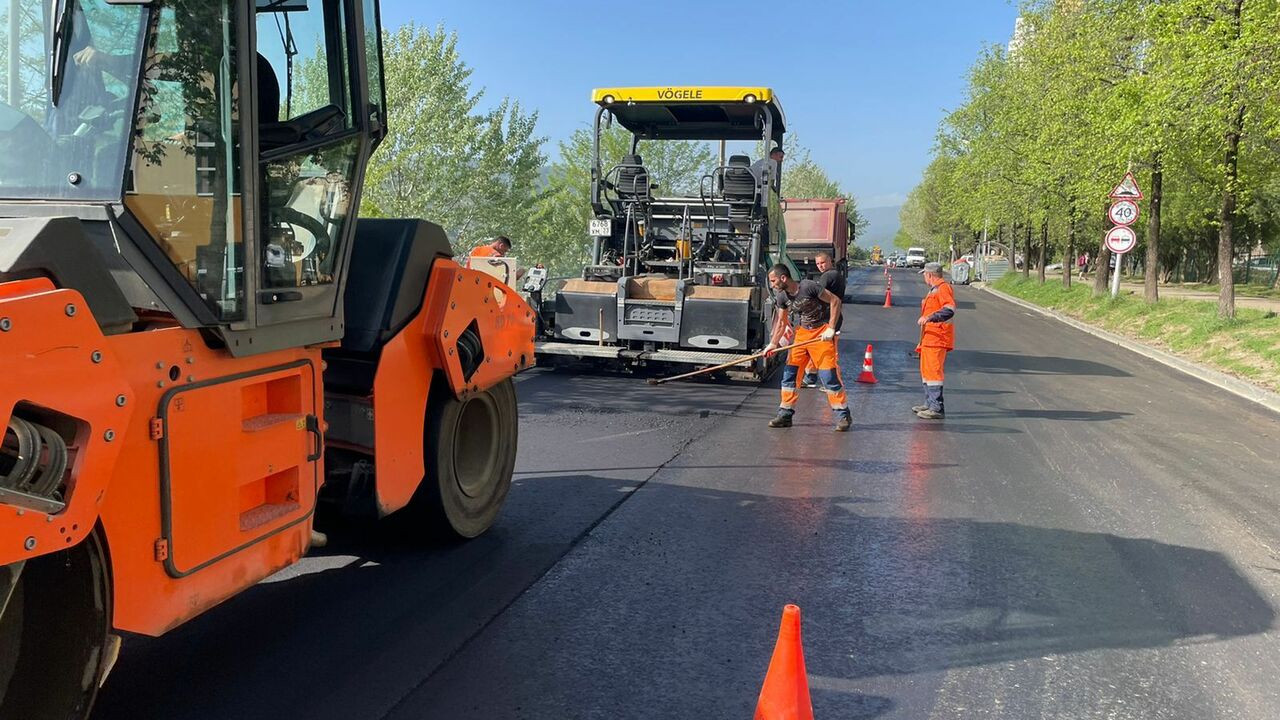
<point x="657" y="589"/>
<point x="1038" y="414"/>
<point x="577" y="389"/>
<point x="1022" y="364"/>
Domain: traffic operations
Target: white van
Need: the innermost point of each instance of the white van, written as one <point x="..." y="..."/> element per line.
<point x="915" y="257"/>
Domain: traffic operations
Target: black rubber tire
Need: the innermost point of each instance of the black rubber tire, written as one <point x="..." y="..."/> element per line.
<point x="11" y="627"/>
<point x="470" y="456"/>
<point x="64" y="617"/>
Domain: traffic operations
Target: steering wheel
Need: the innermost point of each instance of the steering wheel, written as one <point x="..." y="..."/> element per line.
<point x="319" y="233"/>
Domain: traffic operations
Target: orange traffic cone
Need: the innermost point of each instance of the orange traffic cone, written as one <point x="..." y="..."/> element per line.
<point x="785" y="694"/>
<point x="888" y="294"/>
<point x="868" y="374"/>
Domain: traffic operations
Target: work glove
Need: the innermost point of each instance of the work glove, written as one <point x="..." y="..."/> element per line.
<point x="828" y="334"/>
<point x="770" y="349"/>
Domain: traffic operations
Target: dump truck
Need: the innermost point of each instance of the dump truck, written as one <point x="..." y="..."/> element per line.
<point x="676" y="279"/>
<point x="200" y="341"/>
<point x="817" y="226"/>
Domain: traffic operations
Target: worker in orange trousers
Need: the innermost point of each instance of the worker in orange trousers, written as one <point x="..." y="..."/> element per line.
<point x="937" y="338"/>
<point x="817" y="313"/>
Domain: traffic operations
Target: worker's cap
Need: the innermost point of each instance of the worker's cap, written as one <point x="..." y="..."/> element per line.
<point x="933" y="267"/>
<point x="777" y="149"/>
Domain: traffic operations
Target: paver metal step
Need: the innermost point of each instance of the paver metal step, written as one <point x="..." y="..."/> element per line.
<point x="584" y="350"/>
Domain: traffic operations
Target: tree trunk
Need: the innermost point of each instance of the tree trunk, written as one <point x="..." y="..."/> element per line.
<point x="1101" y="273"/>
<point x="1044" y="248"/>
<point x="1070" y="259"/>
<point x="1026" y="253"/>
<point x="1013" y="242"/>
<point x="1227" y="217"/>
<point x="1151" y="279"/>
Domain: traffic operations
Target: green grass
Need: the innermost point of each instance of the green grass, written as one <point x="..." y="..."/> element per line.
<point x="1247" y="347"/>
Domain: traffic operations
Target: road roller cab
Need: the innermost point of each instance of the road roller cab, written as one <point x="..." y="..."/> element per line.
<point x="201" y="342"/>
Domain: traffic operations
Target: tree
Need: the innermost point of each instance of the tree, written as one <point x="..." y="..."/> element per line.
<point x="1185" y="90"/>
<point x="473" y="172"/>
<point x="804" y="177"/>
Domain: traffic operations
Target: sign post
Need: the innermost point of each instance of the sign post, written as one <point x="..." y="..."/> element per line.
<point x="1123" y="212"/>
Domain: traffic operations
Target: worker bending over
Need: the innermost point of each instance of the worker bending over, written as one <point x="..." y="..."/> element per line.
<point x="937" y="338"/>
<point x="817" y="312"/>
<point x="500" y="246"/>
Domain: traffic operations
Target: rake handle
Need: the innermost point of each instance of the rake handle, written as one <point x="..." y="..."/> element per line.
<point x="749" y="358"/>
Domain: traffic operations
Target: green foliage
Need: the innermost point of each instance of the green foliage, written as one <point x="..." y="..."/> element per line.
<point x="1098" y="87"/>
<point x="473" y="172"/>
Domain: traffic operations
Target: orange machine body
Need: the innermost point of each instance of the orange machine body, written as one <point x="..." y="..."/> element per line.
<point x="201" y="470"/>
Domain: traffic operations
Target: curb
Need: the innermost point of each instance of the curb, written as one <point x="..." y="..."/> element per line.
<point x="1236" y="386"/>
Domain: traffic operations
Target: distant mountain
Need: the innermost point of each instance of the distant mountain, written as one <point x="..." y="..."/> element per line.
<point x="883" y="226"/>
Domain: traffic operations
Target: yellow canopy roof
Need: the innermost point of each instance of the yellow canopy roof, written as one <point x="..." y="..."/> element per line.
<point x="693" y="112"/>
<point x="686" y="93"/>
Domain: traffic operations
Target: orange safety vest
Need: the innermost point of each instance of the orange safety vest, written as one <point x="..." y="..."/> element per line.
<point x="943" y="334"/>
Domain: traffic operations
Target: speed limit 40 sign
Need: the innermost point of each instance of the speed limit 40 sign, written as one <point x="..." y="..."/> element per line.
<point x="1123" y="212"/>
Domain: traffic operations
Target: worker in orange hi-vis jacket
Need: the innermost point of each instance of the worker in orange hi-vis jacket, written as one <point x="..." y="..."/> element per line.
<point x="937" y="338"/>
<point x="817" y="313"/>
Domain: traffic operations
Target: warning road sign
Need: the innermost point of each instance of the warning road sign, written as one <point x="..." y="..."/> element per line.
<point x="1123" y="212"/>
<point x="1127" y="189"/>
<point x="1121" y="239"/>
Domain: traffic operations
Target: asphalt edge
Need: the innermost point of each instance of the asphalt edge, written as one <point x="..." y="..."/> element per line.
<point x="1233" y="385"/>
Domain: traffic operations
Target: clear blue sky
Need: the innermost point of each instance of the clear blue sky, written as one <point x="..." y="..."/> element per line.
<point x="863" y="83"/>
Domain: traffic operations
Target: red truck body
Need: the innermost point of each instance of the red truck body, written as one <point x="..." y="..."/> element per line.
<point x="816" y="225"/>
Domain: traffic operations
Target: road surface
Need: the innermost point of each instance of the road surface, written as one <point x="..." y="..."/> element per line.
<point x="1087" y="534"/>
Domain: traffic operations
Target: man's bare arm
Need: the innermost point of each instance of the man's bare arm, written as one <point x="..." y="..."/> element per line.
<point x="833" y="302"/>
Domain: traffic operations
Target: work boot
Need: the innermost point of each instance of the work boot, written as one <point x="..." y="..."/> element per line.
<point x="783" y="420"/>
<point x="842" y="425"/>
<point x="809" y="381"/>
<point x="928" y="414"/>
<point x="918" y="408"/>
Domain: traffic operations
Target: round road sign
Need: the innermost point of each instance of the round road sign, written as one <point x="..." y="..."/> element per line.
<point x="1123" y="212"/>
<point x="1121" y="239"/>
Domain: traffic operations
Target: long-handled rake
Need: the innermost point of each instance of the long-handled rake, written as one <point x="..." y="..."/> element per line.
<point x="749" y="358"/>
